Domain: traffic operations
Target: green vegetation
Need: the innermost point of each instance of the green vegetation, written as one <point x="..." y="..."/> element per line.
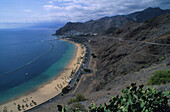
<point x="77" y="107"/>
<point x="84" y="61"/>
<point x="159" y="77"/>
<point x="133" y="99"/>
<point x="78" y="98"/>
<point x="86" y="55"/>
<point x="73" y="72"/>
<point x="162" y="58"/>
<point x="87" y="70"/>
<point x="93" y="55"/>
<point x="65" y="90"/>
<point x="82" y="46"/>
<point x="79" y="59"/>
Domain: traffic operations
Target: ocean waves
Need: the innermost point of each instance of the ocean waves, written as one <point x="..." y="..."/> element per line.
<point x="32" y="61"/>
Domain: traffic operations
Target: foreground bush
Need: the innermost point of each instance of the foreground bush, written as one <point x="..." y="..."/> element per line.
<point x="159" y="77"/>
<point x="133" y="99"/>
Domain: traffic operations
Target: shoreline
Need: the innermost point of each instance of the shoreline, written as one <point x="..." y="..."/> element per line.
<point x="48" y="82"/>
<point x="42" y="85"/>
<point x="48" y="90"/>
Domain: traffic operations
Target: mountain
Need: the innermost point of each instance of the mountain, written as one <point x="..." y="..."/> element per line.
<point x="146" y="31"/>
<point x="95" y="26"/>
<point x="107" y="25"/>
<point x="131" y="48"/>
<point x="142" y="16"/>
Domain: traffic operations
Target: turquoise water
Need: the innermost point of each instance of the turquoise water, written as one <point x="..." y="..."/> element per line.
<point x="28" y="59"/>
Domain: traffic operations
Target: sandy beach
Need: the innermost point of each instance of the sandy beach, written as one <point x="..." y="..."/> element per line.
<point x="49" y="90"/>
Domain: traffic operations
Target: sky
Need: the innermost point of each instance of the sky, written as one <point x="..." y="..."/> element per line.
<point x="17" y="12"/>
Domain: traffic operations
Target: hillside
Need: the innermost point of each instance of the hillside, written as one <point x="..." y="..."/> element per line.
<point x="108" y="24"/>
<point x="142" y="16"/>
<point x="132" y="53"/>
<point x="131" y="48"/>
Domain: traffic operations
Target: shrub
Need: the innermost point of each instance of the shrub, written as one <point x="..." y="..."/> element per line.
<point x="78" y="106"/>
<point x="162" y="58"/>
<point x="72" y="101"/>
<point x="78" y="98"/>
<point x="87" y="70"/>
<point x="159" y="77"/>
<point x="93" y="55"/>
<point x="133" y="99"/>
<point x="65" y="90"/>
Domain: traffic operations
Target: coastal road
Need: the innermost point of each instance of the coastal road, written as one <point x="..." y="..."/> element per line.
<point x="89" y="56"/>
<point x="74" y="80"/>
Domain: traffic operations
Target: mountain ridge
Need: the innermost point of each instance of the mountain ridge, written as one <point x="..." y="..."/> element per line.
<point x="95" y="26"/>
<point x="106" y="24"/>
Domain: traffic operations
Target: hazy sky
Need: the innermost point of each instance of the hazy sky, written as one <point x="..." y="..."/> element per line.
<point x="33" y="11"/>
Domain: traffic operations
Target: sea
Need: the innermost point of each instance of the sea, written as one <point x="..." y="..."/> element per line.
<point x="30" y="58"/>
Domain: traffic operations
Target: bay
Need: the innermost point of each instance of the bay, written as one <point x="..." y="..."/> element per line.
<point x="30" y="58"/>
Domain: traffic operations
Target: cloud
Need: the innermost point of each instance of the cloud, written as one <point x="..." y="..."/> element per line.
<point x="51" y="7"/>
<point x="53" y="1"/>
<point x="81" y="10"/>
<point x="27" y="10"/>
